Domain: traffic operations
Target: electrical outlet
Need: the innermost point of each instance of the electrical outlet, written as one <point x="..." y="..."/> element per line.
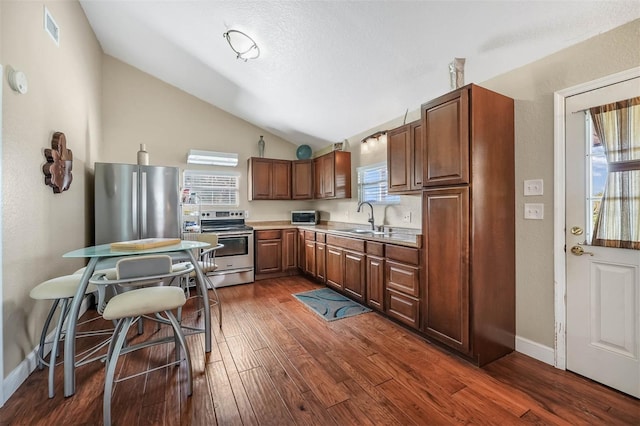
<point x="246" y="214"/>
<point x="406" y="218"/>
<point x="533" y="187"/>
<point x="533" y="211"/>
<point x="346" y="214"/>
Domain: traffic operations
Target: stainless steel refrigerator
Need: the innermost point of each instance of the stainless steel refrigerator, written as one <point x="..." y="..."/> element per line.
<point x="133" y="202"/>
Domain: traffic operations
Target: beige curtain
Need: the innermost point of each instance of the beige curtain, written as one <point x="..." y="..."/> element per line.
<point x="618" y="221"/>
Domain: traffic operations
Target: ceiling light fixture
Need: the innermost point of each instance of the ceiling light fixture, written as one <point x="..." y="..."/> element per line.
<point x="243" y="45"/>
<point x="211" y="158"/>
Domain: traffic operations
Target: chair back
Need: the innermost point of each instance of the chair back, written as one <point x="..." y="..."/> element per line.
<point x="143" y="266"/>
<point x="208" y="237"/>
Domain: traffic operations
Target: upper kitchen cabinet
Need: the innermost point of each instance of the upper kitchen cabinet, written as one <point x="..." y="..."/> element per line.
<point x="404" y="158"/>
<point x="302" y="180"/>
<point x="445" y="123"/>
<point x="332" y="175"/>
<point x="269" y="179"/>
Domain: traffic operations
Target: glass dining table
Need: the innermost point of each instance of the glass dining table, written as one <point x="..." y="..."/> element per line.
<point x="104" y="251"/>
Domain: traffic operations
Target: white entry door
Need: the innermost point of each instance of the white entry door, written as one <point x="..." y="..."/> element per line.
<point x="603" y="284"/>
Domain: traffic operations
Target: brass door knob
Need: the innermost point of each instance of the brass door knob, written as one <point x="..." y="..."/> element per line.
<point x="579" y="251"/>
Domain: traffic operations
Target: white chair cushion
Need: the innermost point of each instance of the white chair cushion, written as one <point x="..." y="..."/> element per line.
<point x="110" y="273"/>
<point x="144" y="301"/>
<point x="177" y="267"/>
<point x="59" y="288"/>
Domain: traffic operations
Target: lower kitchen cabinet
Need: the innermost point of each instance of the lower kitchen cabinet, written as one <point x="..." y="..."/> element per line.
<point x="289" y="249"/>
<point x="335" y="267"/>
<point x="321" y="258"/>
<point x="402" y="284"/>
<point x="310" y="253"/>
<point x="354" y="274"/>
<point x="275" y="253"/>
<point x="268" y="252"/>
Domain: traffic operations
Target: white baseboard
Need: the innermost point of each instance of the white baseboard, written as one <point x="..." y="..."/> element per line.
<point x="16" y="378"/>
<point x="535" y="350"/>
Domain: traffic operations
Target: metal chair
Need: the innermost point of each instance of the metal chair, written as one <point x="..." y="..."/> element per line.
<point x="208" y="265"/>
<point x="61" y="291"/>
<point x="143" y="277"/>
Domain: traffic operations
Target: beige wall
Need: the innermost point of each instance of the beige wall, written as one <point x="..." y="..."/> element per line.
<point x="139" y="108"/>
<point x="532" y="87"/>
<point x="64" y="95"/>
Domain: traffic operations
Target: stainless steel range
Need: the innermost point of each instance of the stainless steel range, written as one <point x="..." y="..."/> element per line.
<point x="235" y="259"/>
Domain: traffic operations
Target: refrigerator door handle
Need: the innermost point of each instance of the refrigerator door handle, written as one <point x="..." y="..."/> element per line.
<point x="143" y="205"/>
<point x="134" y="203"/>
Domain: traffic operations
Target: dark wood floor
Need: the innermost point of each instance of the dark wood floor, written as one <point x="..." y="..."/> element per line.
<point x="276" y="363"/>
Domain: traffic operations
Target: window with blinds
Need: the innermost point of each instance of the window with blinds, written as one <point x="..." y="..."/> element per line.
<point x="372" y="185"/>
<point x="213" y="188"/>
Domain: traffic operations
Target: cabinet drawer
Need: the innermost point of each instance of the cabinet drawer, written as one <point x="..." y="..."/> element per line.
<point x="376" y="249"/>
<point x="310" y="235"/>
<point x="403" y="278"/>
<point x="403" y="254"/>
<point x="345" y="242"/>
<point x="321" y="237"/>
<point x="403" y="308"/>
<point x="271" y="234"/>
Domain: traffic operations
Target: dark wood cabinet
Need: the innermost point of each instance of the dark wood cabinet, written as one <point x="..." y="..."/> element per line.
<point x="354" y="274"/>
<point x="321" y="260"/>
<point x="404" y="158"/>
<point x="445" y="123"/>
<point x="269" y="179"/>
<point x="402" y="284"/>
<point x="310" y="253"/>
<point x="332" y="175"/>
<point x="469" y="230"/>
<point x="275" y="253"/>
<point x="302" y="179"/>
<point x="300" y="248"/>
<point x="335" y="267"/>
<point x="375" y="282"/>
<point x="346" y="267"/>
<point x="374" y="275"/>
<point x="398" y="159"/>
<point x="289" y="249"/>
<point x="268" y="253"/>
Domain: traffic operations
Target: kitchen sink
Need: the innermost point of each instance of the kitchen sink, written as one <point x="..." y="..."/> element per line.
<point x="363" y="231"/>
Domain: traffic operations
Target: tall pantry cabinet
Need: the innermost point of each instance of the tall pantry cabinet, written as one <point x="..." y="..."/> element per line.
<point x="469" y="222"/>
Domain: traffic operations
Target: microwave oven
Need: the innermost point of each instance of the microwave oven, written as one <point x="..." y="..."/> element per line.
<point x="305" y="217"/>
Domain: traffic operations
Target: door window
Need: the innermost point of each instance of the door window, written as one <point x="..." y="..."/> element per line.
<point x="614" y="159"/>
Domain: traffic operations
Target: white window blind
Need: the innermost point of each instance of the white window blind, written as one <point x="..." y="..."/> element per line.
<point x="372" y="185"/>
<point x="213" y="188"/>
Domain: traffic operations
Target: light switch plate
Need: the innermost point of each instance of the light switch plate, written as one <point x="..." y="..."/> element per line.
<point x="533" y="187"/>
<point x="533" y="211"/>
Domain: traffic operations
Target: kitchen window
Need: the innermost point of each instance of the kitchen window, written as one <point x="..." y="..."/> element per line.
<point x="372" y="185"/>
<point x="215" y="188"/>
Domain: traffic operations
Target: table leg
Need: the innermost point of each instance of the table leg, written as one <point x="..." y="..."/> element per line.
<point x="70" y="338"/>
<point x="205" y="301"/>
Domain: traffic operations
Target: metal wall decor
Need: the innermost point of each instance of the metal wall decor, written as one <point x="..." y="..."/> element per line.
<point x="57" y="170"/>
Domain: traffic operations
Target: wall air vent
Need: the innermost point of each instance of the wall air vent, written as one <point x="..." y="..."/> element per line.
<point x="51" y="27"/>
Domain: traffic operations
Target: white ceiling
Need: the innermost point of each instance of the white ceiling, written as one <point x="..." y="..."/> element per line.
<point x="329" y="70"/>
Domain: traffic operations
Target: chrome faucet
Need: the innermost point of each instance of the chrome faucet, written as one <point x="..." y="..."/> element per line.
<point x="370" y="220"/>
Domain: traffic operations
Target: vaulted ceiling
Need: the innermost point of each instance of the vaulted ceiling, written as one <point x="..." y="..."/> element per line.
<point x="329" y="70"/>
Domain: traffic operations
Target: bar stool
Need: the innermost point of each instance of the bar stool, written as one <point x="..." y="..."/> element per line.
<point x="61" y="291"/>
<point x="142" y="276"/>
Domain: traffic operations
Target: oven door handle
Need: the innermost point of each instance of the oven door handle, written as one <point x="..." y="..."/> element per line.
<point x="235" y="234"/>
